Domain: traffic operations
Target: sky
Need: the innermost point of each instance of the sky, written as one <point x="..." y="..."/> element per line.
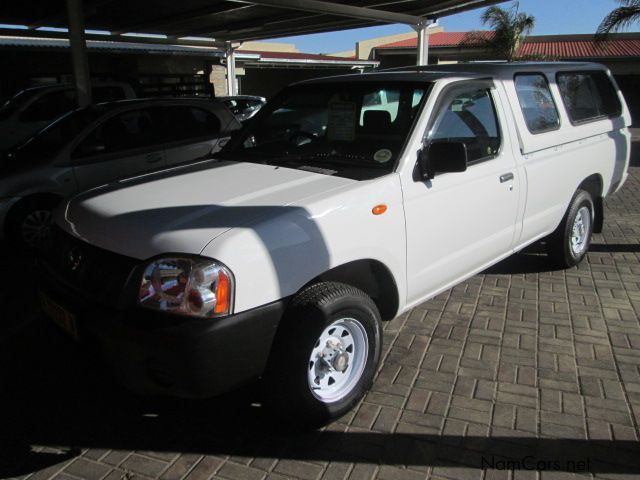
<point x="552" y="17"/>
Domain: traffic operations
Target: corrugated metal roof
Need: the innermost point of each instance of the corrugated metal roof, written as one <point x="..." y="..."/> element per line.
<point x="292" y="56"/>
<point x="128" y="47"/>
<point x="143" y="48"/>
<point x="227" y="20"/>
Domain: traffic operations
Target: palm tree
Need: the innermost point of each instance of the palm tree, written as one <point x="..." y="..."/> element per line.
<point x="510" y="27"/>
<point x="620" y="18"/>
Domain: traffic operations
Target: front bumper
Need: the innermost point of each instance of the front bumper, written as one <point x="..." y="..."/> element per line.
<point x="156" y="353"/>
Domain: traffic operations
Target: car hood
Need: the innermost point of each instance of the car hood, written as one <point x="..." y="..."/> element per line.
<point x="182" y="210"/>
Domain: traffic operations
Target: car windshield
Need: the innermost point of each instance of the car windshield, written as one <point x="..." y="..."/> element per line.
<point x="16" y="102"/>
<point x="356" y="130"/>
<point x="50" y="140"/>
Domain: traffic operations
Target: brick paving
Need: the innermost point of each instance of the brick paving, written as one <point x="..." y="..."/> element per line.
<point x="521" y="372"/>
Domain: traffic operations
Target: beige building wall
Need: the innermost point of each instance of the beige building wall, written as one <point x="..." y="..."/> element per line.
<point x="269" y="47"/>
<point x="364" y="47"/>
<point x="218" y="79"/>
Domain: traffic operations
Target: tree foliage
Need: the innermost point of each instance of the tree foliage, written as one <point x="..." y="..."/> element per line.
<point x="510" y="27"/>
<point x="620" y="18"/>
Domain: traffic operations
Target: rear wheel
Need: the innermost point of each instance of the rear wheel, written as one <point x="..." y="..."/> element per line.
<point x="324" y="356"/>
<point x="569" y="244"/>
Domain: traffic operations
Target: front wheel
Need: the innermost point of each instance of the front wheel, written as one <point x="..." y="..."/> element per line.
<point x="29" y="222"/>
<point x="569" y="244"/>
<point x="325" y="354"/>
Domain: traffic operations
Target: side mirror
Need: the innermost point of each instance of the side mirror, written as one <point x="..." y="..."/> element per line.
<point x="442" y="157"/>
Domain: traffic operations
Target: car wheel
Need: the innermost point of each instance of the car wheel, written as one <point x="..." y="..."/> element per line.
<point x="29" y="223"/>
<point x="324" y="356"/>
<point x="569" y="244"/>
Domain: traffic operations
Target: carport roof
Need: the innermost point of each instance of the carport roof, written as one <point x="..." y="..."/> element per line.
<point x="226" y="20"/>
<point x="255" y="58"/>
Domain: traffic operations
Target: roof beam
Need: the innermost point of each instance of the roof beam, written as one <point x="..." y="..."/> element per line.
<point x="331" y="8"/>
<point x="11" y="32"/>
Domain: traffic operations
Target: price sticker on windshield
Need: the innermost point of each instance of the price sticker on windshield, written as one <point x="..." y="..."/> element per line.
<point x="342" y="121"/>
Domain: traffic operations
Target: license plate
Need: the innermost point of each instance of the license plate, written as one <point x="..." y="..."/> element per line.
<point x="60" y="315"/>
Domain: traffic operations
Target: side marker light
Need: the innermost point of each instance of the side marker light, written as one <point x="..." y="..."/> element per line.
<point x="379" y="209"/>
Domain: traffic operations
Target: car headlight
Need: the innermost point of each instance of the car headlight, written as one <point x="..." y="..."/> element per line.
<point x="193" y="286"/>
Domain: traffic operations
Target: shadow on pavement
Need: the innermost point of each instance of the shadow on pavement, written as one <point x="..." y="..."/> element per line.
<point x="614" y="247"/>
<point x="532" y="259"/>
<point x="522" y="263"/>
<point x="54" y="394"/>
<point x="17" y="292"/>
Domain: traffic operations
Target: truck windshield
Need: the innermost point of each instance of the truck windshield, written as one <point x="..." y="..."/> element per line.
<point x="356" y="130"/>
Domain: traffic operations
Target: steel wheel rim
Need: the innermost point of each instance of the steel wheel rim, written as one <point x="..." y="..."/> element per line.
<point x="35" y="227"/>
<point x="327" y="383"/>
<point x="580" y="231"/>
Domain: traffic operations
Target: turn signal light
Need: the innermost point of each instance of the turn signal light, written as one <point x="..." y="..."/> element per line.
<point x="223" y="293"/>
<point x="379" y="209"/>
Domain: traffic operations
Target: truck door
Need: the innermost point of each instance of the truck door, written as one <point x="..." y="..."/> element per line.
<point x="458" y="223"/>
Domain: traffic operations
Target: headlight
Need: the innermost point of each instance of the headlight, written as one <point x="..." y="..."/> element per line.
<point x="190" y="286"/>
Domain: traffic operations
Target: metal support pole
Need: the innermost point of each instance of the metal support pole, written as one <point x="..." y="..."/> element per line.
<point x="423" y="45"/>
<point x="231" y="70"/>
<point x="79" y="58"/>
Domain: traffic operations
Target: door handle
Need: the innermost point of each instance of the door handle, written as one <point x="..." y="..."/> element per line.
<point x="506" y="177"/>
<point x="153" y="158"/>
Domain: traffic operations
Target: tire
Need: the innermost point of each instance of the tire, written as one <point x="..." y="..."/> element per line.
<point x="28" y="222"/>
<point x="342" y="324"/>
<point x="569" y="244"/>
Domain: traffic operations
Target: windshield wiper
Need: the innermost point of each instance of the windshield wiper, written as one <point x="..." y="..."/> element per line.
<point x="296" y="160"/>
<point x="241" y="155"/>
<point x="342" y="159"/>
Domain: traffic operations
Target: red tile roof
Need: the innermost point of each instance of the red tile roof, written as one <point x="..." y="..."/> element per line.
<point x="582" y="48"/>
<point x="568" y="49"/>
<point x="443" y="39"/>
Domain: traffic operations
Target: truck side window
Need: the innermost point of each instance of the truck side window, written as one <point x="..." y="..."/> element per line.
<point x="539" y="109"/>
<point x="469" y="117"/>
<point x="588" y="96"/>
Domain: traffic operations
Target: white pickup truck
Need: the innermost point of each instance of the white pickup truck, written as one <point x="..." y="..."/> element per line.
<point x="345" y="202"/>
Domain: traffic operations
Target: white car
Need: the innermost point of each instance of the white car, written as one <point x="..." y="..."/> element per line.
<point x="34" y="108"/>
<point x="98" y="144"/>
<point x="337" y="208"/>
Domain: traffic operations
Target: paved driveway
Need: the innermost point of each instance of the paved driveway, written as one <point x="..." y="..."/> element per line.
<point x="521" y="372"/>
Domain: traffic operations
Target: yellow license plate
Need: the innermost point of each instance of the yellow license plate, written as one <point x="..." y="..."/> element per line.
<point x="60" y="315"/>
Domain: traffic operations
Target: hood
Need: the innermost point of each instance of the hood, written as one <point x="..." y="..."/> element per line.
<point x="182" y="210"/>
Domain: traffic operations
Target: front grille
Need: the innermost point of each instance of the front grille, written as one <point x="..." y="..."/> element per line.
<point x="97" y="274"/>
